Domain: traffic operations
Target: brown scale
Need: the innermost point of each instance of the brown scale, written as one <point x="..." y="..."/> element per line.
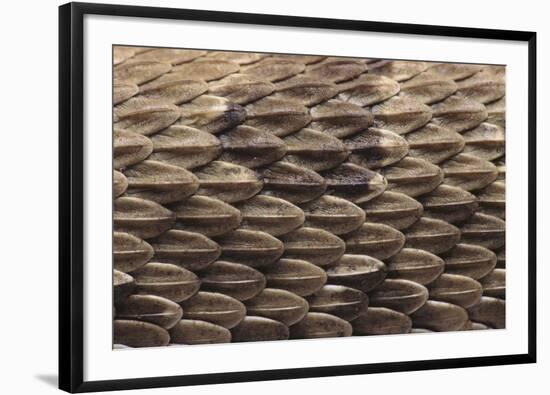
<point x="166" y="280"/>
<point x="251" y="147"/>
<point x="160" y="182"/>
<point x="376" y="240"/>
<point x="434" y="143"/>
<point x="305" y="90"/>
<point x="254" y="328"/>
<point x="394" y="209"/>
<point x="361" y="272"/>
<point x="190" y="250"/>
<point x="198" y="332"/>
<point x="317" y="246"/>
<point x="233" y="279"/>
<point x="279" y="305"/>
<point x="250" y="247"/>
<point x="319" y="325"/>
<point x="403" y="296"/>
<point x="211" y="114"/>
<point x="459" y="290"/>
<point x="240" y="88"/>
<point x="295" y="275"/>
<point x="270" y="214"/>
<point x="148" y="120"/>
<point x="174" y="92"/>
<point x="185" y="147"/>
<point x="216" y="308"/>
<point x="334" y="214"/>
<point x="415" y="265"/>
<point x="440" y="316"/>
<point x="315" y="150"/>
<point x="375" y="148"/>
<point x="150" y="308"/>
<point x="381" y="321"/>
<point x="130" y="252"/>
<point x="340" y="301"/>
<point x="317" y="190"/>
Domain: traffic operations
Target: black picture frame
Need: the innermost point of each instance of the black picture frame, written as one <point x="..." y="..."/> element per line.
<point x="71" y="199"/>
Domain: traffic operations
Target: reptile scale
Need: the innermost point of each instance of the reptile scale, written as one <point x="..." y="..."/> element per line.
<point x="263" y="197"/>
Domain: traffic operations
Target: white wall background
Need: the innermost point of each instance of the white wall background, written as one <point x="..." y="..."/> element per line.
<point x="28" y="194"/>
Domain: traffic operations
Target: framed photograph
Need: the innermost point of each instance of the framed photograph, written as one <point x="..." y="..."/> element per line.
<point x="259" y="197"/>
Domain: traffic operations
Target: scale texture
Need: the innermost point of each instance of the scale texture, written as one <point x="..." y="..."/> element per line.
<point x="263" y="197"/>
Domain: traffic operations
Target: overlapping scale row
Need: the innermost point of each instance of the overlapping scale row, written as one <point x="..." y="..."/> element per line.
<point x="268" y="197"/>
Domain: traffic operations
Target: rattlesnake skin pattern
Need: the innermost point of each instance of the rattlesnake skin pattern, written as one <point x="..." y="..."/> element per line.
<point x="264" y="197"/>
